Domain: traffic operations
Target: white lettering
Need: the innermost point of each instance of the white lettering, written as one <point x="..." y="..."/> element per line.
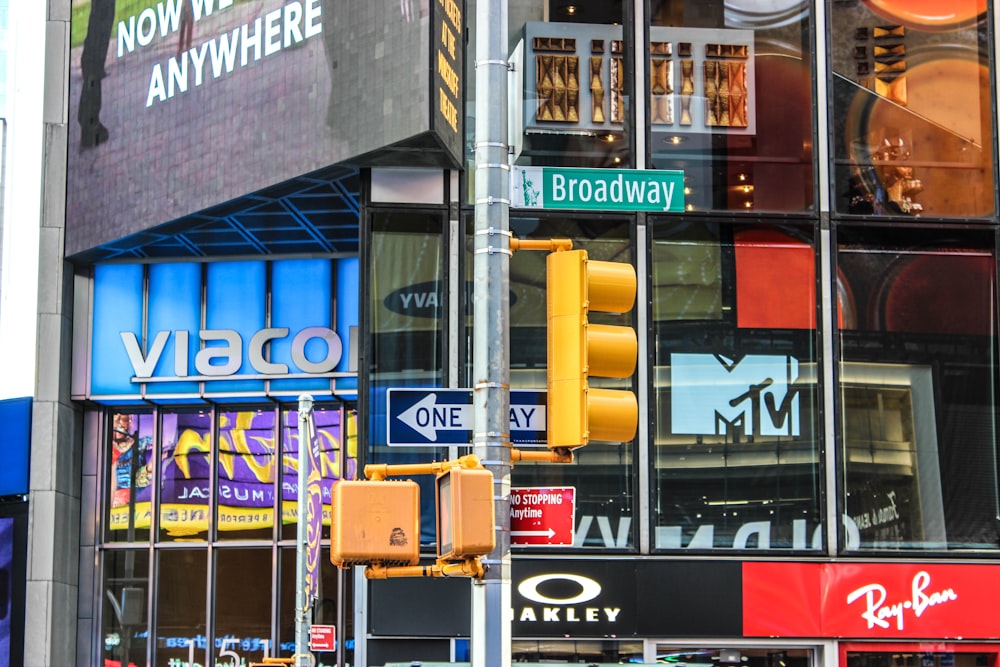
<point x="272" y="30"/>
<point x="877" y="612"/>
<point x="251" y="41"/>
<point x="226" y="358"/>
<point x="223" y="51"/>
<point x="293" y="14"/>
<point x="313" y="13"/>
<point x="558" y="188"/>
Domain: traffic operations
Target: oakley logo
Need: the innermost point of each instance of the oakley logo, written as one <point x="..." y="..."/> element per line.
<point x="589" y="589"/>
<point x="559" y="602"/>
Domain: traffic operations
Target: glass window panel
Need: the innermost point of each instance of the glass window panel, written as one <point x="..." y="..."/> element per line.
<point x="407" y="316"/>
<point x="749" y="656"/>
<point x="918" y="381"/>
<point x="335" y="462"/>
<point x="602" y="473"/>
<point x="125" y="620"/>
<point x="181" y="604"/>
<point x="326" y="612"/>
<point x="572" y="106"/>
<point x="912" y="117"/>
<point x="243" y="605"/>
<point x="185" y="474"/>
<point x="736" y="449"/>
<point x="246" y="474"/>
<point x="577" y="651"/>
<point x="131" y="459"/>
<point x="729" y="102"/>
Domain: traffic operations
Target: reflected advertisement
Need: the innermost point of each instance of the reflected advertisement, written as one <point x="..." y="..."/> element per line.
<point x="246" y="475"/>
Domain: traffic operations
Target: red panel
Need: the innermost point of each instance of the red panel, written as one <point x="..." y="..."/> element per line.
<point x="775" y="281"/>
<point x="911" y="601"/>
<point x="781" y="599"/>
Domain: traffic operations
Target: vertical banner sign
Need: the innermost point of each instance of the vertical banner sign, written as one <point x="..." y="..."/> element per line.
<point x="448" y="34"/>
<point x="314" y="505"/>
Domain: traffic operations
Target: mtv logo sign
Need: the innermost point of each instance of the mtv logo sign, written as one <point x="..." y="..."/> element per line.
<point x="714" y="395"/>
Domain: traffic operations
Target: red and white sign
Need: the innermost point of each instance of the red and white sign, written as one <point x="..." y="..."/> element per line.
<point x="871" y="600"/>
<point x="323" y="637"/>
<point x="542" y="516"/>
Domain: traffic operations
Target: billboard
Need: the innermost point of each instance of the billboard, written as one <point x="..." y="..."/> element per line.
<point x="179" y="105"/>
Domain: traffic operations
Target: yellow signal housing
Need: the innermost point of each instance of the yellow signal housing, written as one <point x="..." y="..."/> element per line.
<point x="466" y="523"/>
<point x="375" y="523"/>
<point x="578" y="350"/>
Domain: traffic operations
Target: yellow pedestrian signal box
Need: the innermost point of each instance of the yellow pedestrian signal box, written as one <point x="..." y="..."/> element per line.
<point x="375" y="522"/>
<point x="579" y="350"/>
<point x="465" y="513"/>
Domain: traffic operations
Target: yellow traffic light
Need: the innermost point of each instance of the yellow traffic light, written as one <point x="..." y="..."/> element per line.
<point x="465" y="513"/>
<point x="375" y="523"/>
<point x="579" y="350"/>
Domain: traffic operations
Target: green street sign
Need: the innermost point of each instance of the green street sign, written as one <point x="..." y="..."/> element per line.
<point x="597" y="189"/>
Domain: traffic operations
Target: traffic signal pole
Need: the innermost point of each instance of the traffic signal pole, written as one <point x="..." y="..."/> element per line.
<point x="491" y="597"/>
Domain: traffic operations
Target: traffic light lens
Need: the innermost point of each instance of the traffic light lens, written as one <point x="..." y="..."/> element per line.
<point x="612" y="415"/>
<point x="610" y="286"/>
<point x="611" y="351"/>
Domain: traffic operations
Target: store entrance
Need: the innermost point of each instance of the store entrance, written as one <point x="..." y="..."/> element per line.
<point x="918" y="654"/>
<point x="736" y="656"/>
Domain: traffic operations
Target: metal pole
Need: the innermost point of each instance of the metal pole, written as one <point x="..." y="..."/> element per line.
<point x="302" y="655"/>
<point x="491" y="599"/>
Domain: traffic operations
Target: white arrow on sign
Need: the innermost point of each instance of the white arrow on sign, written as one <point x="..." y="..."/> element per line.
<point x="427" y="418"/>
<point x="533" y="533"/>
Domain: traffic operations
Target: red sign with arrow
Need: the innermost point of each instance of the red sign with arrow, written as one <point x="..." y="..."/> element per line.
<point x="542" y="516"/>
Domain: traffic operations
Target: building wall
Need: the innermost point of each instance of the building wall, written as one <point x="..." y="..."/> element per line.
<point x="55" y="481"/>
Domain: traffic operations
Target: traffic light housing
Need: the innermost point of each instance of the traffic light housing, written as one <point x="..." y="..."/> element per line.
<point x="375" y="522"/>
<point x="579" y="350"/>
<point x="466" y="522"/>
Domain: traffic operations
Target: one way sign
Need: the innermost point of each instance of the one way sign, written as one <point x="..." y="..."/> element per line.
<point x="442" y="417"/>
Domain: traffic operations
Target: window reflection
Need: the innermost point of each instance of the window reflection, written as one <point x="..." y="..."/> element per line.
<point x="334" y="462"/>
<point x="407" y="311"/>
<point x="181" y="627"/>
<point x="918" y="387"/>
<point x="185" y="473"/>
<point x="131" y="460"/>
<point x="124" y="629"/>
<point x="573" y="105"/>
<point x="246" y="474"/>
<point x="736" y="449"/>
<point x="912" y="113"/>
<point x="729" y="102"/>
<point x="243" y="604"/>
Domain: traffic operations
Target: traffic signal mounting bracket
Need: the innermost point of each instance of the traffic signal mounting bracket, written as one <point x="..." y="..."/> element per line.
<point x="479" y="536"/>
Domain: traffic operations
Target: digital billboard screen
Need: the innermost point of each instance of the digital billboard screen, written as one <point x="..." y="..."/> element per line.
<point x="177" y="106"/>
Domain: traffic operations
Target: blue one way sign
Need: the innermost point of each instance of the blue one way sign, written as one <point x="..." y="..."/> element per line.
<point x="441" y="417"/>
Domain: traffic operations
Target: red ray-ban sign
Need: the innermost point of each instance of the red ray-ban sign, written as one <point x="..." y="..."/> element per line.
<point x="542" y="515"/>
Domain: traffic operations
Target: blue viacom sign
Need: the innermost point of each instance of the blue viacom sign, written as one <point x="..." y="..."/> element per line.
<point x="655" y="190"/>
<point x="247" y="327"/>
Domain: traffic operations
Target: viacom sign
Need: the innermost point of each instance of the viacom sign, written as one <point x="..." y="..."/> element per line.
<point x="247" y="327"/>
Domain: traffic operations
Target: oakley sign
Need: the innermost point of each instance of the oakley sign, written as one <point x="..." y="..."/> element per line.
<point x="557" y="606"/>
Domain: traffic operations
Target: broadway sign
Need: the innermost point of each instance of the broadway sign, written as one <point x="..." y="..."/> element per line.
<point x="655" y="190"/>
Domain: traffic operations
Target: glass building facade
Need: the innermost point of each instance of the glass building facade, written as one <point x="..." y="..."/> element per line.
<point x="818" y="355"/>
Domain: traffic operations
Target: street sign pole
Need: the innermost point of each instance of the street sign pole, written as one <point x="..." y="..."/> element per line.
<point x="302" y="654"/>
<point x="491" y="597"/>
